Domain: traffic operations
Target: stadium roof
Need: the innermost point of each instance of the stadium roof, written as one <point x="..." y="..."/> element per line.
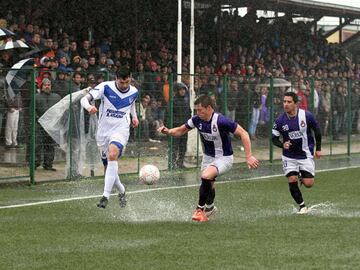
<point x="299" y="7"/>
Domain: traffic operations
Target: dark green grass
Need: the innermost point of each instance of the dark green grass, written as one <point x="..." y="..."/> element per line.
<point x="256" y="228"/>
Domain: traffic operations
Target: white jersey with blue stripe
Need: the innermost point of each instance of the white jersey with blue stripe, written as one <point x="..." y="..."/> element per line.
<point x="214" y="134"/>
<point x="115" y="108"/>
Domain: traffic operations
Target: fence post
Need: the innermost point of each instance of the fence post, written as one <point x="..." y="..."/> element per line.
<point x="170" y="121"/>
<point x="312" y="95"/>
<point x="271" y="147"/>
<point x="70" y="131"/>
<point x="225" y="89"/>
<point x="349" y="116"/>
<point x="32" y="129"/>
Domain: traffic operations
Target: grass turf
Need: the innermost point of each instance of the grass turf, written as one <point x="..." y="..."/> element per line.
<point x="256" y="228"/>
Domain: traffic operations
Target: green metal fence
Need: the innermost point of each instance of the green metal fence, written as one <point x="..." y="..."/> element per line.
<point x="253" y="102"/>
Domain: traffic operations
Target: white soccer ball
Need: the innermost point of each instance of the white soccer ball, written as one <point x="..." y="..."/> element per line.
<point x="149" y="174"/>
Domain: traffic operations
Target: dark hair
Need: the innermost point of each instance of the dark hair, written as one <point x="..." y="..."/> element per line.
<point x="293" y="95"/>
<point x="204" y="101"/>
<point x="77" y="73"/>
<point x="123" y="73"/>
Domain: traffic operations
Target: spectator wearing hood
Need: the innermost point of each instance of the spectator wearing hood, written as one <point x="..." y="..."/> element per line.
<point x="63" y="63"/>
<point x="181" y="113"/>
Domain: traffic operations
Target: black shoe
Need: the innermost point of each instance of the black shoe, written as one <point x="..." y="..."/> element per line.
<point x="122" y="200"/>
<point x="49" y="168"/>
<point x="181" y="166"/>
<point x="103" y="202"/>
<point x="76" y="176"/>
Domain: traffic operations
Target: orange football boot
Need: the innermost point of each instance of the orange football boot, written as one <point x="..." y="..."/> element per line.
<point x="199" y="216"/>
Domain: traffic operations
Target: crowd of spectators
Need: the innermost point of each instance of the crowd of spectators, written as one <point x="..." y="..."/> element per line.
<point x="89" y="49"/>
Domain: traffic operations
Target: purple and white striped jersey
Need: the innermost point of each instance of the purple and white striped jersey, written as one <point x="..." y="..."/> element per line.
<point x="297" y="130"/>
<point x="214" y="134"/>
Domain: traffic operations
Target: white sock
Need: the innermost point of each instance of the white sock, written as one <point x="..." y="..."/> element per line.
<point x="110" y="177"/>
<point x="119" y="186"/>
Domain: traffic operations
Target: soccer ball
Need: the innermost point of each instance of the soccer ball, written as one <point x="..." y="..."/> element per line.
<point x="149" y="174"/>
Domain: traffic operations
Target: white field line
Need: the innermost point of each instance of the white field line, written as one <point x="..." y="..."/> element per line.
<point x="261" y="178"/>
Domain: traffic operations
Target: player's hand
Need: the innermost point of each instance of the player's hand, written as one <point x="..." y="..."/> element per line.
<point x="92" y="110"/>
<point x="134" y="122"/>
<point x="163" y="130"/>
<point x="287" y="145"/>
<point x="317" y="154"/>
<point x="252" y="162"/>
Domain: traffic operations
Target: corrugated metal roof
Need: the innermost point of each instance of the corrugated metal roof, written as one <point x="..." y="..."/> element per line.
<point x="302" y="7"/>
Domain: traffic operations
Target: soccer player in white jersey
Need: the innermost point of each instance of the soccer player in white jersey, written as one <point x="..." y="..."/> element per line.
<point x="295" y="126"/>
<point x="117" y="105"/>
<point x="214" y="130"/>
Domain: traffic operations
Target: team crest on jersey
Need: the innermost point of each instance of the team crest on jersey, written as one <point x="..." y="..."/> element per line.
<point x="302" y="123"/>
<point x="200" y="126"/>
<point x="285" y="128"/>
<point x="214" y="128"/>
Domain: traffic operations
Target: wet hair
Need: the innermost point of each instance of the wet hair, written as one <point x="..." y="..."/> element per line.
<point x="293" y="95"/>
<point x="123" y="73"/>
<point x="204" y="101"/>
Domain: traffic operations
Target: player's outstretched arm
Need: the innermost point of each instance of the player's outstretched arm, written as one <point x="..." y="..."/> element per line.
<point x="175" y="132"/>
<point x="251" y="161"/>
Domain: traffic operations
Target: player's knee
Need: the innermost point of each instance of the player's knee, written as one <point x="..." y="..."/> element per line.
<point x="208" y="176"/>
<point x="292" y="176"/>
<point x="113" y="155"/>
<point x="210" y="173"/>
<point x="308" y="182"/>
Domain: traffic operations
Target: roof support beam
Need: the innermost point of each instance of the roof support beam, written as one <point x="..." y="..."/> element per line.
<point x="346" y="22"/>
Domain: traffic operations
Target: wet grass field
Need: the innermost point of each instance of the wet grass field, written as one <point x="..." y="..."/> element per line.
<point x="58" y="226"/>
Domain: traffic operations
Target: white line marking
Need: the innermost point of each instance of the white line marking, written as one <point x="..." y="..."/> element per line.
<point x="158" y="189"/>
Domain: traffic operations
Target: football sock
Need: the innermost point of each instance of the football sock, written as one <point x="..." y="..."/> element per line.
<point x="204" y="191"/>
<point x="119" y="186"/>
<point x="302" y="205"/>
<point x="211" y="196"/>
<point x="110" y="177"/>
<point x="296" y="193"/>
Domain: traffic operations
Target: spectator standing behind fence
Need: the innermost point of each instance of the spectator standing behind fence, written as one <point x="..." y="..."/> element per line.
<point x="61" y="85"/>
<point x="255" y="115"/>
<point x="181" y="113"/>
<point x="2" y="110"/>
<point x="144" y="122"/>
<point x="73" y="170"/>
<point x="45" y="146"/>
<point x="12" y="121"/>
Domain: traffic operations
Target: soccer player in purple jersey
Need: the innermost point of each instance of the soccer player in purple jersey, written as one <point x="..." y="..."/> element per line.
<point x="214" y="130"/>
<point x="295" y="126"/>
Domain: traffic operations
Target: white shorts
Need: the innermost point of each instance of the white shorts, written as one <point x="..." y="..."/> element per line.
<point x="120" y="139"/>
<point x="223" y="164"/>
<point x="296" y="165"/>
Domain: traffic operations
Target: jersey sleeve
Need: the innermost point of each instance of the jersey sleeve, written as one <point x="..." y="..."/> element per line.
<point x="227" y="124"/>
<point x="98" y="91"/>
<point x="190" y="124"/>
<point x="310" y="119"/>
<point x="276" y="129"/>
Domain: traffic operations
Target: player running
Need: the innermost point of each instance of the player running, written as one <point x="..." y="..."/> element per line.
<point x="295" y="126"/>
<point x="214" y="130"/>
<point x="117" y="104"/>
